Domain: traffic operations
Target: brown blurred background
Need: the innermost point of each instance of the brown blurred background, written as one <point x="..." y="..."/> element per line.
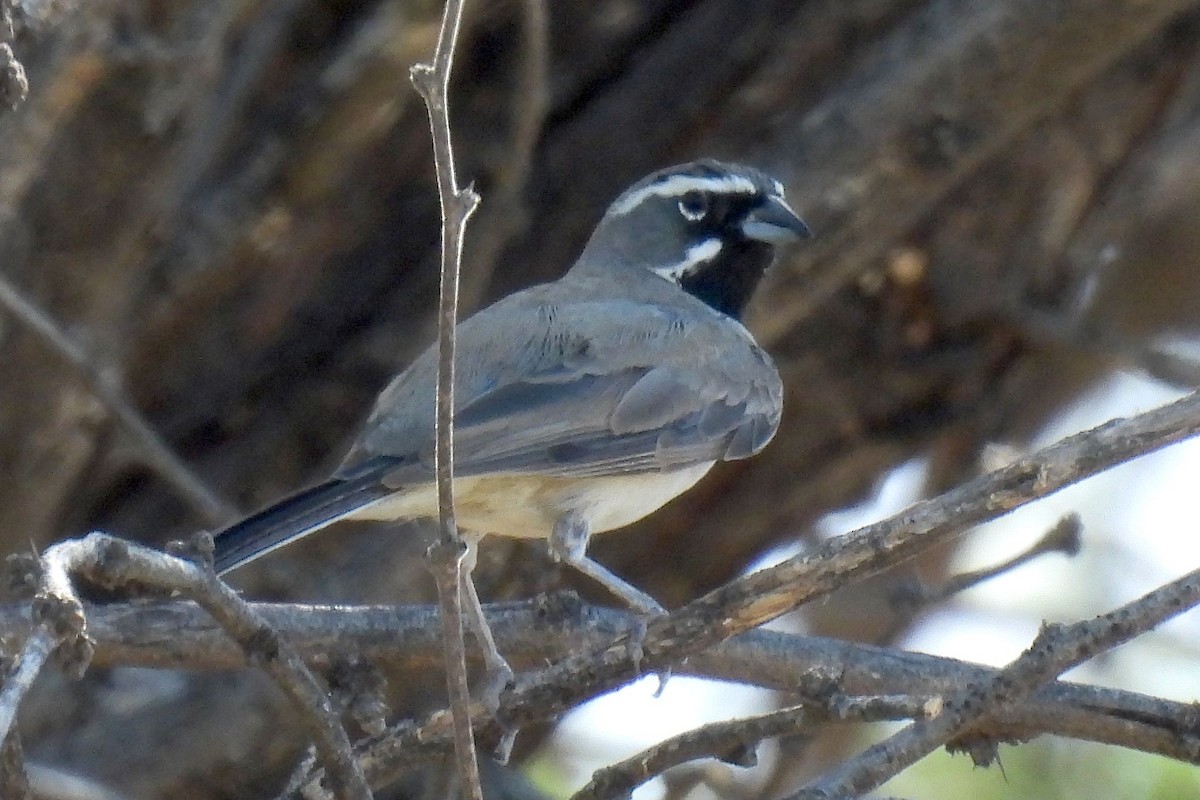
<point x="230" y="205"/>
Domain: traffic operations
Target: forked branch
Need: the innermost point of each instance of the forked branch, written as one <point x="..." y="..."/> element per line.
<point x="60" y="626"/>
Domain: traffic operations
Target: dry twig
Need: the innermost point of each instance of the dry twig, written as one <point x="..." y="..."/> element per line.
<point x="432" y="82"/>
<point x="757" y="598"/>
<point x="179" y="635"/>
<point x="735" y="741"/>
<point x="1056" y="649"/>
<point x="1064" y="537"/>
<point x="60" y="625"/>
<point x="19" y="681"/>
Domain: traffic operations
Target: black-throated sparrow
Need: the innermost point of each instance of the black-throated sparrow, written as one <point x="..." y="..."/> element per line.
<point x="583" y="404"/>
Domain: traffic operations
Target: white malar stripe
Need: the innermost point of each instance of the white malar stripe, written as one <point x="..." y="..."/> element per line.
<point x="679" y="185"/>
<point x="693" y="257"/>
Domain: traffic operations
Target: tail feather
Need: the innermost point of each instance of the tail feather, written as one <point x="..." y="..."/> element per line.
<point x="294" y="517"/>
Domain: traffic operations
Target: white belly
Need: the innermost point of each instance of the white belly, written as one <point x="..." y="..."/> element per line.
<point x="527" y="506"/>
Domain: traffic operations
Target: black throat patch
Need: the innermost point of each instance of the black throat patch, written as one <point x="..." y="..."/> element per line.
<point x="728" y="281"/>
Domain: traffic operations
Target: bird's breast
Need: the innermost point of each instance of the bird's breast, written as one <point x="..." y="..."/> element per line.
<point x="527" y="506"/>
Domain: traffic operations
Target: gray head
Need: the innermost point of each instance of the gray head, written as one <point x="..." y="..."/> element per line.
<point x="710" y="227"/>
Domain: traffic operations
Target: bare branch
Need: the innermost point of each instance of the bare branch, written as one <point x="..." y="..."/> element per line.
<point x="407" y="637"/>
<point x="17" y="684"/>
<point x="1064" y="538"/>
<point x="1178" y="742"/>
<point x="1056" y="649"/>
<point x="432" y="82"/>
<point x="180" y="635"/>
<point x="149" y="447"/>
<point x="59" y="618"/>
<point x="769" y="593"/>
<point x="764" y="595"/>
<point x="735" y="741"/>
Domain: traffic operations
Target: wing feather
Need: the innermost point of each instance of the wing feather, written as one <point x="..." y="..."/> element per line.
<point x="582" y="388"/>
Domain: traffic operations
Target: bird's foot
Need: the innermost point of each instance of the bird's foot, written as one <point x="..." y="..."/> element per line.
<point x="635" y="645"/>
<point x="568" y="543"/>
<point x="498" y="677"/>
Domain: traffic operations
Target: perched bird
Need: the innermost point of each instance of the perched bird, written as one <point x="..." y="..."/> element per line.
<point x="584" y="404"/>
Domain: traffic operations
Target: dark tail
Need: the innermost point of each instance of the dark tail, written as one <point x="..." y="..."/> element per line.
<point x="294" y="517"/>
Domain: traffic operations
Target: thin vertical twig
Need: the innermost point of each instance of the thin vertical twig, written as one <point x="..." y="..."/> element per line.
<point x="432" y="82"/>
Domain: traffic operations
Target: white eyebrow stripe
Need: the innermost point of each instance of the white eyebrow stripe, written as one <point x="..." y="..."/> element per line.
<point x="694" y="256"/>
<point x="679" y="185"/>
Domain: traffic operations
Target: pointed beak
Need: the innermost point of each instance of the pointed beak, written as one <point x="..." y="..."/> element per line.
<point x="774" y="222"/>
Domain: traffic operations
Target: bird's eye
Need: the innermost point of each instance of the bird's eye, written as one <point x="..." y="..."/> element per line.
<point x="693" y="206"/>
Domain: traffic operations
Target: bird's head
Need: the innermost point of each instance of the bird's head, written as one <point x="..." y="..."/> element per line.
<point x="710" y="227"/>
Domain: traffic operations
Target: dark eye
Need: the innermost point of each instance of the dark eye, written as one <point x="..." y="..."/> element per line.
<point x="693" y="206"/>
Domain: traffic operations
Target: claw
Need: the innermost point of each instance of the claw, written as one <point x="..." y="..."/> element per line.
<point x="663" y="677"/>
<point x="504" y="747"/>
<point x="635" y="646"/>
<point x="499" y="676"/>
<point x="637" y="640"/>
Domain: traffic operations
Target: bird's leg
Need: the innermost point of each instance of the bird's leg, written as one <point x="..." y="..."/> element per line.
<point x="498" y="673"/>
<point x="568" y="542"/>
